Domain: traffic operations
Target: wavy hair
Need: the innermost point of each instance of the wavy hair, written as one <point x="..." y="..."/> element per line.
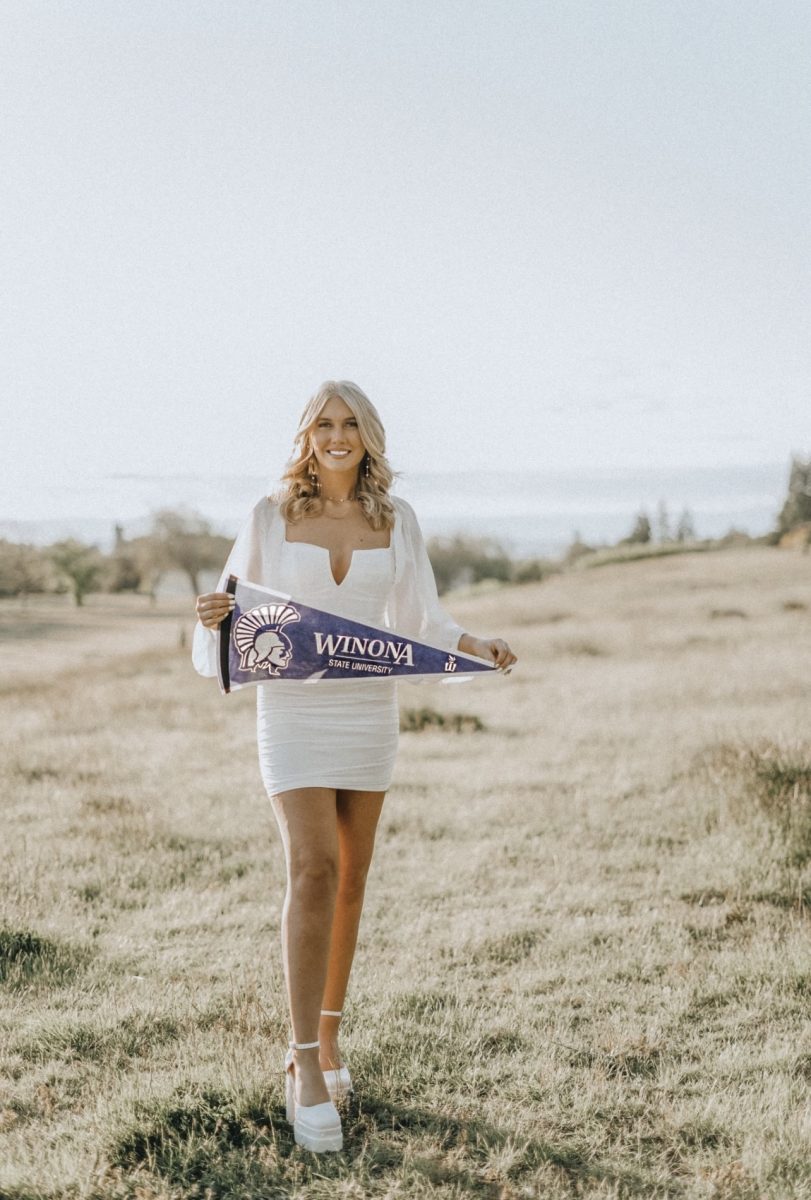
<point x="298" y="495"/>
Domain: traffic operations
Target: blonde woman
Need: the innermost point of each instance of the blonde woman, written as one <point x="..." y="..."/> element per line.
<point x="334" y="539"/>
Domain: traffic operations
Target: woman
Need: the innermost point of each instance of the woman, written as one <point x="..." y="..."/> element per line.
<point x="334" y="539"/>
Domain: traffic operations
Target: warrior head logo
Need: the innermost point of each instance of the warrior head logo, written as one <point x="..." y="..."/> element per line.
<point x="259" y="639"/>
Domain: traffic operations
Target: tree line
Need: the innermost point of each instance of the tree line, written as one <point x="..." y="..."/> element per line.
<point x="176" y="541"/>
<point x="796" y="512"/>
<point x="185" y="542"/>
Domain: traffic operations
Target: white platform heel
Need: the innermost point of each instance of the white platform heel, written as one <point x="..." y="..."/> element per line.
<point x="338" y="1079"/>
<point x="316" y="1127"/>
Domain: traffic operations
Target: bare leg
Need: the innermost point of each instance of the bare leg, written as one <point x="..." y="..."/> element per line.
<point x="358" y="814"/>
<point x="308" y="825"/>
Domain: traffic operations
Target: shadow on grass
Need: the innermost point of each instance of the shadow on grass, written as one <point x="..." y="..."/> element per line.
<point x="29" y="958"/>
<point x="218" y="1144"/>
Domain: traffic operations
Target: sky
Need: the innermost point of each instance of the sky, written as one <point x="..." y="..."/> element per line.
<point x="540" y="234"/>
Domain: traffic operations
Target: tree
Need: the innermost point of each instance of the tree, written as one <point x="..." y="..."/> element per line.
<point x="797" y="507"/>
<point x="685" y="529"/>
<point x="641" y="531"/>
<point x="576" y="549"/>
<point x="82" y="565"/>
<point x="184" y="540"/>
<point x="662" y="523"/>
<point x="126" y="568"/>
<point x="23" y="569"/>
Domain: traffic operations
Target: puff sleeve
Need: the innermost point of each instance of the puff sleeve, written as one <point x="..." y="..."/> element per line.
<point x="250" y="559"/>
<point x="414" y="607"/>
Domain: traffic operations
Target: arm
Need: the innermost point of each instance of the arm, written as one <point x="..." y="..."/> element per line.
<point x="246" y="559"/>
<point x="418" y="608"/>
<point x="495" y="650"/>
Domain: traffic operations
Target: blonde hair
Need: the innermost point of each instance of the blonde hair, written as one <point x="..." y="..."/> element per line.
<point x="298" y="495"/>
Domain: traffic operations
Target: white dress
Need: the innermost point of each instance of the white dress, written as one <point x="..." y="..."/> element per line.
<point x="337" y="733"/>
<point x="334" y="732"/>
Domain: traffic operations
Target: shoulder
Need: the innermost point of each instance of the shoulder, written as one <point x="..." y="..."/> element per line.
<point x="407" y="527"/>
<point x="266" y="507"/>
<point x="264" y="514"/>
<point x="404" y="510"/>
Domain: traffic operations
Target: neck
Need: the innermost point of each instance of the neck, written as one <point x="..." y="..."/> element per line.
<point x="339" y="491"/>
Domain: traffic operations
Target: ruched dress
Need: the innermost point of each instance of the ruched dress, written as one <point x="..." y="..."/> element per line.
<point x="336" y="733"/>
<point x="339" y="733"/>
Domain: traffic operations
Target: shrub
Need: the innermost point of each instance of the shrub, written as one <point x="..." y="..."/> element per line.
<point x="462" y="560"/>
<point x="797" y="507"/>
<point x="415" y="720"/>
<point x="768" y="787"/>
<point x="576" y="550"/>
<point x="534" y="570"/>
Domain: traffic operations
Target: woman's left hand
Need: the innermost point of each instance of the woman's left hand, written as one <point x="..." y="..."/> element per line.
<point x="495" y="650"/>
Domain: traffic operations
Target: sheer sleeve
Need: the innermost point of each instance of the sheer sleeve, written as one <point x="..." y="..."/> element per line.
<point x="415" y="609"/>
<point x="248" y="558"/>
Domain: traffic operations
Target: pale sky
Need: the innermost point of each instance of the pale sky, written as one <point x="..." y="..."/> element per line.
<point x="539" y="233"/>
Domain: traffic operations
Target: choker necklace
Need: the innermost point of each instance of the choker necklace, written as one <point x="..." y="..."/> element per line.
<point x="343" y="511"/>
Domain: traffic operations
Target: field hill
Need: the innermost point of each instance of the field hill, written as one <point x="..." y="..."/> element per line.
<point x="584" y="965"/>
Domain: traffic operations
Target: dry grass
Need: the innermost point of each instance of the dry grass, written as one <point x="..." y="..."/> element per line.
<point x="584" y="968"/>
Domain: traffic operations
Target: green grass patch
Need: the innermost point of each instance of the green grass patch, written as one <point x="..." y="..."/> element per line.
<point x="27" y="957"/>
<point x="203" y="1139"/>
<point x="637" y="553"/>
<point x="766" y="789"/>
<point x="136" y="1036"/>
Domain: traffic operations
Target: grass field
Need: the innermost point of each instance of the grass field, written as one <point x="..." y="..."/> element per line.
<point x="584" y="966"/>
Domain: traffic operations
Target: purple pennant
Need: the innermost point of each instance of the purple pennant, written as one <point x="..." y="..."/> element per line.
<point x="272" y="636"/>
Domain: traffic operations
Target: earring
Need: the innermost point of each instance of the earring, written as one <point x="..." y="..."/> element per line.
<point x="315" y="482"/>
<point x="366" y="466"/>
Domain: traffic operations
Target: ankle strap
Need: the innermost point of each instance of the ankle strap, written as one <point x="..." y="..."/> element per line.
<point x="330" y="1012"/>
<point x="303" y="1045"/>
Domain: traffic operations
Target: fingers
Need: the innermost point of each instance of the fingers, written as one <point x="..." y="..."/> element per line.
<point x="503" y="657"/>
<point x="213" y="608"/>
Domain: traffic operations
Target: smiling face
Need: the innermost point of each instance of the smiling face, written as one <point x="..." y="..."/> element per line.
<point x="335" y="438"/>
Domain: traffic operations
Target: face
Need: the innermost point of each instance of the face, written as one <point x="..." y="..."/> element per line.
<point x="335" y="438"/>
<point x="269" y="650"/>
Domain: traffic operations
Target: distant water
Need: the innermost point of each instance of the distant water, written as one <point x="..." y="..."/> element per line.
<point x="529" y="512"/>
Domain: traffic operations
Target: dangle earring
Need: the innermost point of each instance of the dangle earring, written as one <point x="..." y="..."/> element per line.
<point x="315" y="482"/>
<point x="366" y="465"/>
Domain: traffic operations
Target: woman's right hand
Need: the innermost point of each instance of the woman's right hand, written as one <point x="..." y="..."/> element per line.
<point x="214" y="607"/>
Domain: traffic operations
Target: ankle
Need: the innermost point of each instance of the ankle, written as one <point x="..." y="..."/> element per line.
<point x="305" y="1059"/>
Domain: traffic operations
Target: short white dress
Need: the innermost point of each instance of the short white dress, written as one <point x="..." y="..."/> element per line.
<point x="337" y="733"/>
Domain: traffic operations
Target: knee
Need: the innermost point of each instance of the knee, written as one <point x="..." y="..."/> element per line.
<point x="313" y="874"/>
